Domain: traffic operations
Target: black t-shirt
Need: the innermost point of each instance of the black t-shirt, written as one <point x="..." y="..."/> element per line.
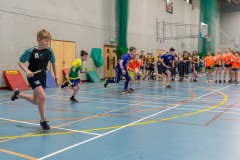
<point x="38" y="60"/>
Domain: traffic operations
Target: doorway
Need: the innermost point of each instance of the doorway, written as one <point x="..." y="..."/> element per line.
<point x="65" y="53"/>
<point x="110" y="61"/>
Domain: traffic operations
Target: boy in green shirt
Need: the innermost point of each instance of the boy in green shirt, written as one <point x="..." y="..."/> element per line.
<point x="73" y="76"/>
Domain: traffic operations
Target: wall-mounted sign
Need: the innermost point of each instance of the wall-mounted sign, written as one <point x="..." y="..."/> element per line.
<point x="112" y="40"/>
<point x="169" y="6"/>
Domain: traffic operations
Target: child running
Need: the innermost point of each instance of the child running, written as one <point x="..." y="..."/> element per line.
<point x="167" y="61"/>
<point x="122" y="69"/>
<point x="209" y="66"/>
<point x="73" y="76"/>
<point x="134" y="66"/>
<point x="38" y="58"/>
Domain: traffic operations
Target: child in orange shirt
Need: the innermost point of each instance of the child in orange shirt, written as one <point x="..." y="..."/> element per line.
<point x="227" y="65"/>
<point x="134" y="66"/>
<point x="209" y="65"/>
<point x="235" y="61"/>
<point x="218" y="61"/>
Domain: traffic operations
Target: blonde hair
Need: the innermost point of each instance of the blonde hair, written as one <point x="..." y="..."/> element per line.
<point x="136" y="55"/>
<point x="44" y="34"/>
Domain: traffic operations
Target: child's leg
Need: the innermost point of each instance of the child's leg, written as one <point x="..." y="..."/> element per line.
<point x="184" y="69"/>
<point x="30" y="98"/>
<point x="75" y="89"/>
<point x="229" y="72"/>
<point x="127" y="81"/>
<point x="148" y="73"/>
<point x="194" y="74"/>
<point x="40" y="95"/>
<point x="220" y="73"/>
<point x="236" y="76"/>
<point x="180" y="71"/>
<point x="173" y="72"/>
<point x="233" y="74"/>
<point x="217" y="72"/>
<point x="168" y="77"/>
<point x="210" y="74"/>
<point x="225" y="73"/>
<point x="131" y="81"/>
<point x="143" y="70"/>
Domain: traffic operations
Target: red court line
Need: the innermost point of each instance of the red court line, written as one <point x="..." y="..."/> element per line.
<point x="217" y="116"/>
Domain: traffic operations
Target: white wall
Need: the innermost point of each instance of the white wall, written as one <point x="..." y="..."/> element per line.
<point x="142" y="24"/>
<point x="90" y="23"/>
<point x="229" y="23"/>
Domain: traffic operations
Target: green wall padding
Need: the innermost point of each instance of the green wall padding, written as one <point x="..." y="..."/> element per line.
<point x="122" y="7"/>
<point x="208" y="15"/>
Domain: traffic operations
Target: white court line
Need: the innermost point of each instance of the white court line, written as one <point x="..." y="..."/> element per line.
<point x="11" y="120"/>
<point x="10" y="102"/>
<point x="127" y="125"/>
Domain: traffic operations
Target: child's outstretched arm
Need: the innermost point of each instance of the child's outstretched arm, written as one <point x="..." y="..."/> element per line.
<point x="54" y="65"/>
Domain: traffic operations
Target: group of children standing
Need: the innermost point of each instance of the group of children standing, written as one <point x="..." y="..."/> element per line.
<point x="228" y="62"/>
<point x="133" y="66"/>
<point x="184" y="64"/>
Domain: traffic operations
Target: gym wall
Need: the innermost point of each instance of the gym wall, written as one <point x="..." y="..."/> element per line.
<point x="89" y="23"/>
<point x="230" y="26"/>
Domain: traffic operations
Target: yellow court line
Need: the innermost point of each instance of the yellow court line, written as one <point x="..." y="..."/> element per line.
<point x="225" y="97"/>
<point x="19" y="137"/>
<point x="36" y="135"/>
<point x="18" y="154"/>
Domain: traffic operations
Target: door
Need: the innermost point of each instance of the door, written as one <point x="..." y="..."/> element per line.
<point x="69" y="53"/>
<point x="65" y="53"/>
<point x="110" y="61"/>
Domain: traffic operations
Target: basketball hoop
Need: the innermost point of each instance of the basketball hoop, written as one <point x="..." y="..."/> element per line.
<point x="208" y="37"/>
<point x="205" y="36"/>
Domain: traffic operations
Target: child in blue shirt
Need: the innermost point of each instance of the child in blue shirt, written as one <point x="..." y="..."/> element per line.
<point x="122" y="70"/>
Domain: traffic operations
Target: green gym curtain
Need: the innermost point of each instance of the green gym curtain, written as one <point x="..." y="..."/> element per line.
<point x="121" y="26"/>
<point x="208" y="15"/>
